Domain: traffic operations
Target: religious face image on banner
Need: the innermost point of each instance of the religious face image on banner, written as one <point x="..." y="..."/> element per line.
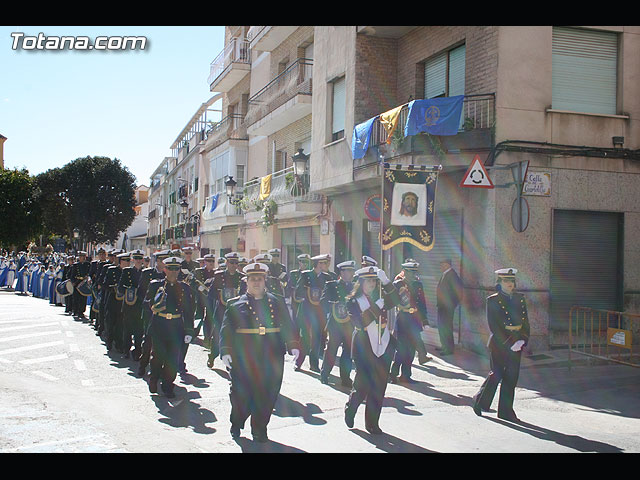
<point x="408" y="205"/>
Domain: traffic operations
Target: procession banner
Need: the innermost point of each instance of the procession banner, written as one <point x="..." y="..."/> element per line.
<point x="408" y="205"/>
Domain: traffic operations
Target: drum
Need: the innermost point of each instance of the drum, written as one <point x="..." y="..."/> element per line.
<point x="84" y="287"/>
<point x="64" y="288"/>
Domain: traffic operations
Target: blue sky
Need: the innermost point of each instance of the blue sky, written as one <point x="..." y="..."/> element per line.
<point x="56" y="106"/>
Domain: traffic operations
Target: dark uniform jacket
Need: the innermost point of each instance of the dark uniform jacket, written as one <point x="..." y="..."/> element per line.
<point x="79" y="270"/>
<point x="309" y="290"/>
<point x="130" y="278"/>
<point x="224" y="286"/>
<point x="177" y="299"/>
<point x="264" y="326"/>
<point x="334" y="300"/>
<point x="412" y="299"/>
<point x="508" y="320"/>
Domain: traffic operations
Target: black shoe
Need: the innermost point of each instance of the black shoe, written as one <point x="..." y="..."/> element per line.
<point x="477" y="409"/>
<point x="347" y="382"/>
<point x="315" y="368"/>
<point x="422" y="360"/>
<point x="235" y="432"/>
<point x="260" y="437"/>
<point x="324" y="379"/>
<point x="141" y="371"/>
<point x="349" y="416"/>
<point x="126" y="355"/>
<point x="403" y="379"/>
<point x="210" y="361"/>
<point x="509" y="417"/>
<point x="153" y="386"/>
<point x="393" y="379"/>
<point x="373" y="430"/>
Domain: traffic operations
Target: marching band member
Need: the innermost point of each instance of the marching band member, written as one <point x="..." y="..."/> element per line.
<point x="509" y="325"/>
<point x="339" y="326"/>
<point x="171" y="325"/>
<point x="411" y="318"/>
<point x="372" y="347"/>
<point x="256" y="332"/>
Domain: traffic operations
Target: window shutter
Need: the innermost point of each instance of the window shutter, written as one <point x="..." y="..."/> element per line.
<point x="584" y="70"/>
<point x="435" y="76"/>
<point x="338" y="106"/>
<point x="456" y="71"/>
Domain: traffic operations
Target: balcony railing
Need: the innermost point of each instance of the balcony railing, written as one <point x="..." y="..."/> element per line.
<point x="285" y="188"/>
<point x="294" y="80"/>
<point x="226" y="127"/>
<point x="223" y="208"/>
<point x="236" y="51"/>
<point x="478" y="112"/>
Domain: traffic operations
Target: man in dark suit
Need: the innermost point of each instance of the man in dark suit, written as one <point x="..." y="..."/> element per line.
<point x="449" y="294"/>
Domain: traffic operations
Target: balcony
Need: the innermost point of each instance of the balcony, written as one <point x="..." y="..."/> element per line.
<point x="224" y="214"/>
<point x="267" y="38"/>
<point x="284" y="100"/>
<point x="290" y="194"/>
<point x="230" y="66"/>
<point x="476" y="133"/>
<point x="230" y="127"/>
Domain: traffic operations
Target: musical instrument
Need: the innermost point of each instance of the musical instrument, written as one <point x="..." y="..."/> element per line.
<point x="84" y="287"/>
<point x="64" y="288"/>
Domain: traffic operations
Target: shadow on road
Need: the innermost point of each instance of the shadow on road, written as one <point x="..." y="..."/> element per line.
<point x="390" y="444"/>
<point x="575" y="442"/>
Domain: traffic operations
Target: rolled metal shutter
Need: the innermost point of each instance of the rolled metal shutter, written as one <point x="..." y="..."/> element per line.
<point x="586" y="263"/>
<point x="584" y="70"/>
<point x="447" y="244"/>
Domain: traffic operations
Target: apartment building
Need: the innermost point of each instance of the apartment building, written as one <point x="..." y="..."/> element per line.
<point x="176" y="198"/>
<point x="265" y="76"/>
<point x="560" y="101"/>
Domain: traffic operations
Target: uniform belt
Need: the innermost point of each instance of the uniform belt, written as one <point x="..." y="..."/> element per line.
<point x="259" y="330"/>
<point x="407" y="310"/>
<point x="357" y="329"/>
<point x="513" y="328"/>
<point x="169" y="316"/>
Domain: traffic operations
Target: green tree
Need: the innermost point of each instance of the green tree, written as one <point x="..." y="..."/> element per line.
<point x="20" y="212"/>
<point x="100" y="196"/>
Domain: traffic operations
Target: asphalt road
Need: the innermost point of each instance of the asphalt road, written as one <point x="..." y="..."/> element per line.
<point x="63" y="392"/>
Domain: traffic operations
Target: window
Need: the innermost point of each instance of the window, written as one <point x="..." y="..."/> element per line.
<point x="220" y="168"/>
<point x="444" y="74"/>
<point x="296" y="241"/>
<point x="583" y="70"/>
<point x="337" y="109"/>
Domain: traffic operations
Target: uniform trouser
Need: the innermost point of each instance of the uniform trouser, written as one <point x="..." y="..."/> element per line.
<point x="113" y="323"/>
<point x="167" y="337"/>
<point x="505" y="369"/>
<point x="255" y="393"/>
<point x="68" y="304"/>
<point x="409" y="342"/>
<point x="100" y="323"/>
<point x="370" y="382"/>
<point x="311" y="325"/>
<point x="445" y="327"/>
<point x="132" y="327"/>
<point x="79" y="303"/>
<point x="214" y="332"/>
<point x="147" y="342"/>
<point x="339" y="335"/>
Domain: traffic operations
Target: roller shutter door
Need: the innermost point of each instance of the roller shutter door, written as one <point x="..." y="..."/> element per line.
<point x="447" y="244"/>
<point x="586" y="266"/>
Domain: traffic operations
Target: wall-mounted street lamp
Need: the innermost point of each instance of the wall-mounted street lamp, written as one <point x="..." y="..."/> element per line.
<point x="300" y="161"/>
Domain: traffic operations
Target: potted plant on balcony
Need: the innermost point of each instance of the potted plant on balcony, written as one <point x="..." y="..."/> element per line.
<point x="269" y="213"/>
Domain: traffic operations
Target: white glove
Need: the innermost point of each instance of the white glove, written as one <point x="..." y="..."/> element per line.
<point x="516" y="347"/>
<point x="187" y="338"/>
<point x="380" y="303"/>
<point x="363" y="303"/>
<point x="296" y="353"/>
<point x="382" y="276"/>
<point x="186" y="271"/>
<point x="226" y="359"/>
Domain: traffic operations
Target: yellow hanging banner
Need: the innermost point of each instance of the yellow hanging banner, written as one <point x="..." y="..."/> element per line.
<point x="265" y="187"/>
<point x="389" y="121"/>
